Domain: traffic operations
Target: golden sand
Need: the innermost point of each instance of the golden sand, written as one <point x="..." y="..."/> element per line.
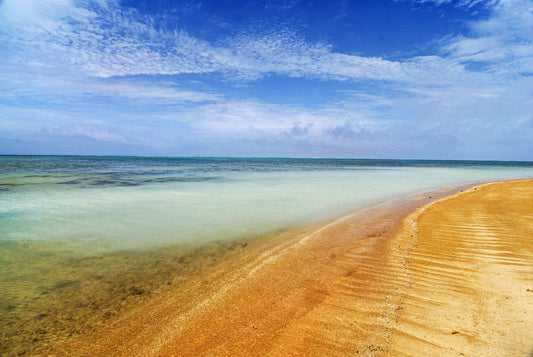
<point x="470" y="275"/>
<point x="454" y="277"/>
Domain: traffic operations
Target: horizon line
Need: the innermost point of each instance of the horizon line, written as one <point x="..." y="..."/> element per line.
<point x="255" y="157"/>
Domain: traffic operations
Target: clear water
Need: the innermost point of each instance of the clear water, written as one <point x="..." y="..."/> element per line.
<point x="84" y="238"/>
<point x="109" y="203"/>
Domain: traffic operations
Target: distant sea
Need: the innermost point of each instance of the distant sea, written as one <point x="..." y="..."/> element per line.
<point x="82" y="238"/>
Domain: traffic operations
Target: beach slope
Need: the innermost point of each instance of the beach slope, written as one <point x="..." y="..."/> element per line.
<point x="428" y="278"/>
<point x="469" y="275"/>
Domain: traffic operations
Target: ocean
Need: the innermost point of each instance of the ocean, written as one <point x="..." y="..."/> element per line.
<point x="102" y="204"/>
<point x="82" y="238"/>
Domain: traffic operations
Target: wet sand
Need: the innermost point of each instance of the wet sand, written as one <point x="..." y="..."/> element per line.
<point x="453" y="277"/>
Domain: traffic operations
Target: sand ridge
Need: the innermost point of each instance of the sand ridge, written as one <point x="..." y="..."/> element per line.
<point x="452" y="278"/>
<point x="471" y="275"/>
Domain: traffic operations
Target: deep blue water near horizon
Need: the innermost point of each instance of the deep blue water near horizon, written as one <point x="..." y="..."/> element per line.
<point x="84" y="238"/>
<point x="138" y="170"/>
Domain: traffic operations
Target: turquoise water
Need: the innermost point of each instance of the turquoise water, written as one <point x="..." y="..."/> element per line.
<point x="82" y="239"/>
<point x="109" y="203"/>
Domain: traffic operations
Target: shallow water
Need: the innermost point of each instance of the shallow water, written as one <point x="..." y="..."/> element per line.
<point x="83" y="238"/>
<point x="50" y="294"/>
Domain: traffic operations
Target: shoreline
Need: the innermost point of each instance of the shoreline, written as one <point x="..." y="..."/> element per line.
<point x="312" y="290"/>
<point x="53" y="293"/>
<point x="233" y="275"/>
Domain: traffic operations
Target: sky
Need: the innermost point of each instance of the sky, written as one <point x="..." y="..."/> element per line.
<point x="415" y="79"/>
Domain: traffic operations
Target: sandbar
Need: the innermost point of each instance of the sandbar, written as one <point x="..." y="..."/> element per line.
<point x="428" y="276"/>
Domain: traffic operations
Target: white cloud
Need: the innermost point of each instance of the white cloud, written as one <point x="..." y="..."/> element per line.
<point x="64" y="88"/>
<point x="116" y="42"/>
<point x="256" y="119"/>
<point x="504" y="41"/>
<point x="458" y="3"/>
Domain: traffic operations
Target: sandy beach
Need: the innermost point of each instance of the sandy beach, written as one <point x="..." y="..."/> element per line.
<point x="266" y="178"/>
<point x="426" y="276"/>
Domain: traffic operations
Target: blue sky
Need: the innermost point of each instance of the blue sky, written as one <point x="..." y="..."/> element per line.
<point x="432" y="79"/>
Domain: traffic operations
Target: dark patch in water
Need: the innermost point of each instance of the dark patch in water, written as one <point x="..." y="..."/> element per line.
<point x="128" y="183"/>
<point x="114" y="183"/>
<point x="65" y="284"/>
<point x="178" y="179"/>
<point x="103" y="182"/>
<point x="73" y="182"/>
